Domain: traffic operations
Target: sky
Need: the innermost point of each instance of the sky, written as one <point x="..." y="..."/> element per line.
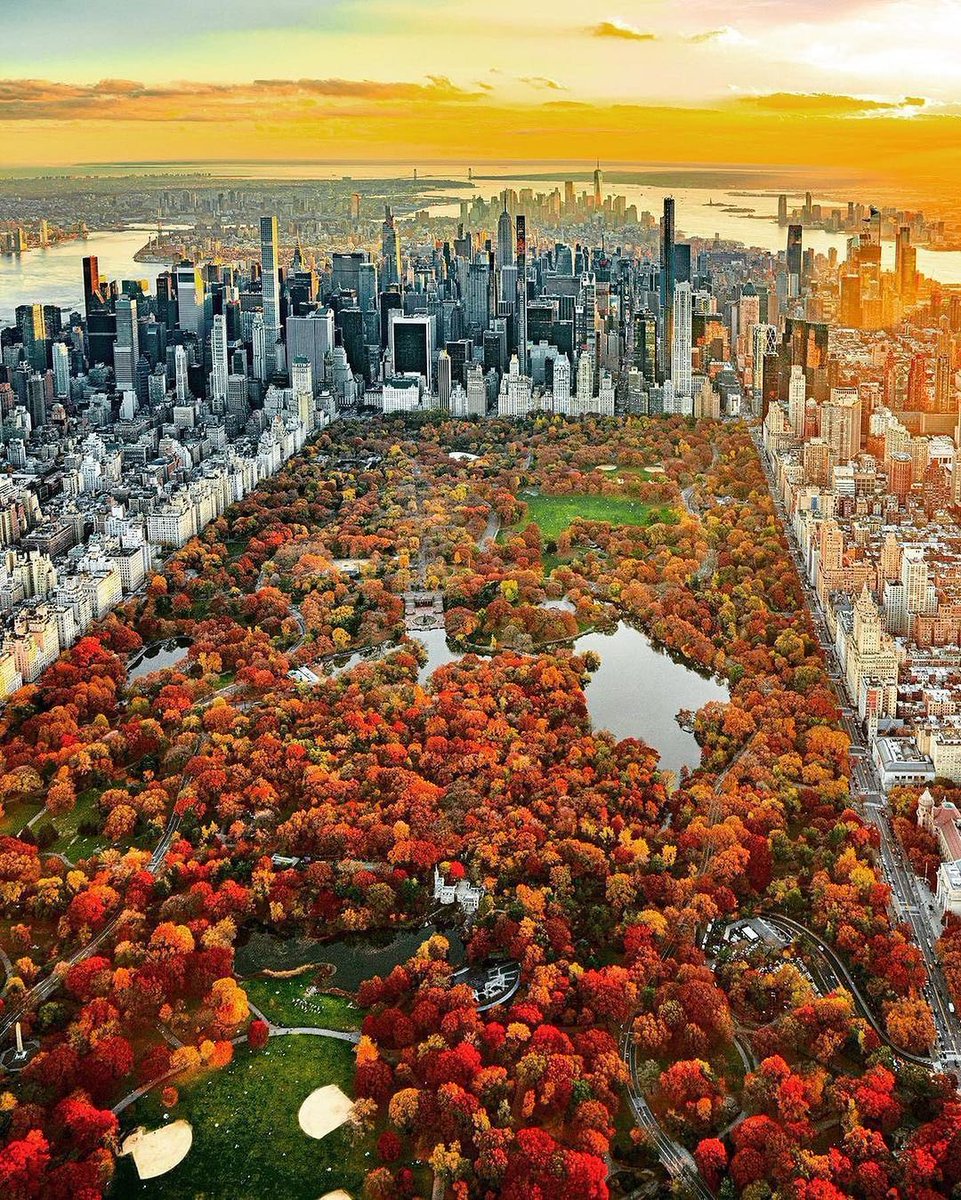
<point x="870" y="87"/>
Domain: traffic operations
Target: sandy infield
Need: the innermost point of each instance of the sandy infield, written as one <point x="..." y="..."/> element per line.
<point x="160" y="1150"/>
<point x="324" y="1110"/>
<point x="340" y="1194"/>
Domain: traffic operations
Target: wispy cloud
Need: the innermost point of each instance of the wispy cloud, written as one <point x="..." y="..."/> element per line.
<point x="541" y="81"/>
<point x="726" y="35"/>
<point x="129" y="100"/>
<point x="621" y="30"/>
<point x="829" y="104"/>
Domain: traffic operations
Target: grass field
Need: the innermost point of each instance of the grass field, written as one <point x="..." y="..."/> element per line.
<point x="554" y="514"/>
<point x="286" y="1002"/>
<point x="247" y="1143"/>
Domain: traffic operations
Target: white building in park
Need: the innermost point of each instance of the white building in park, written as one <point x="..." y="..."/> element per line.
<point x="468" y="895"/>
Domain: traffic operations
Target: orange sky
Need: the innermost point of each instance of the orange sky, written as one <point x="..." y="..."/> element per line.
<point x="865" y="88"/>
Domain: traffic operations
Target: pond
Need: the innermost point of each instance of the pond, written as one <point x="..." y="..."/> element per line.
<point x="158" y="657"/>
<point x="638" y="691"/>
<point x="354" y="959"/>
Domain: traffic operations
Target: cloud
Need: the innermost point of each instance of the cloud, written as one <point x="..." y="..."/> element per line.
<point x="727" y="35"/>
<point x="540" y="81"/>
<point x="128" y="100"/>
<point x="829" y="104"/>
<point x="621" y="30"/>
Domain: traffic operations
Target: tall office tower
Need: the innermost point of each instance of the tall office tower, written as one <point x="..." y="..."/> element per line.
<point x="218" y="363"/>
<point x="61" y="370"/>
<point x="681" y="341"/>
<point x="270" y="286"/>
<point x="413" y="341"/>
<point x="302" y="385"/>
<point x="668" y="280"/>
<point x="37" y="400"/>
<point x="562" y="385"/>
<point x="190" y="300"/>
<point x="598" y="181"/>
<point x="390" y="250"/>
<point x="797" y="401"/>
<point x="126" y="353"/>
<point x="167" y="298"/>
<point x="180" y="374"/>
<point x="505" y="238"/>
<point x="564" y="260"/>
<point x="259" y="342"/>
<point x="795" y="234"/>
<point x="521" y="313"/>
<point x="645" y="346"/>
<point x="764" y="342"/>
<point x="34" y="333"/>
<point x="367" y="286"/>
<point x="782" y="211"/>
<point x="444" y="379"/>
<point x="92" y="294"/>
<point x="345" y="271"/>
<point x="312" y="337"/>
<point x="478" y="295"/>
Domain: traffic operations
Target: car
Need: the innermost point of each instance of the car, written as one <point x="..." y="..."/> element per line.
<point x="951" y="1007"/>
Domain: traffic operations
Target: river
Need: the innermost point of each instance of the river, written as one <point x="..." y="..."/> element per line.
<point x="55" y="275"/>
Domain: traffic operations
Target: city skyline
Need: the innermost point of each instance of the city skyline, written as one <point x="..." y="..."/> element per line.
<point x="868" y="88"/>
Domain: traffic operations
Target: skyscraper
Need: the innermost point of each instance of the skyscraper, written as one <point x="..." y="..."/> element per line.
<point x="190" y="299"/>
<point x="92" y="295"/>
<point x="126" y="353"/>
<point x="61" y="370"/>
<point x="312" y="337"/>
<point x="795" y="235"/>
<point x="505" y="238"/>
<point x="668" y="280"/>
<point x="681" y="347"/>
<point x="218" y="359"/>
<point x="390" y="246"/>
<point x="180" y="374"/>
<point x="270" y="286"/>
<point x="522" y="293"/>
<point x="444" y="382"/>
<point x="598" y="181"/>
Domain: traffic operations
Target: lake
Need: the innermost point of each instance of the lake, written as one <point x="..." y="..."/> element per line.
<point x="637" y="691"/>
<point x="158" y="657"/>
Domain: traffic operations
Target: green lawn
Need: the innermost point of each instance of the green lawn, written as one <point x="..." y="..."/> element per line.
<point x="17" y="813"/>
<point x="287" y="1002"/>
<point x="71" y="842"/>
<point x="554" y="514"/>
<point x="247" y="1143"/>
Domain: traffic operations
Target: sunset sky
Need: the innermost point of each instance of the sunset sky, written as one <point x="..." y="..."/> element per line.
<point x="872" y="87"/>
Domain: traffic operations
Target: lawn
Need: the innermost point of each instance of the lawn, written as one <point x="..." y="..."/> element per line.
<point x="554" y="514"/>
<point x="247" y="1143"/>
<point x="17" y="813"/>
<point x="288" y="1002"/>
